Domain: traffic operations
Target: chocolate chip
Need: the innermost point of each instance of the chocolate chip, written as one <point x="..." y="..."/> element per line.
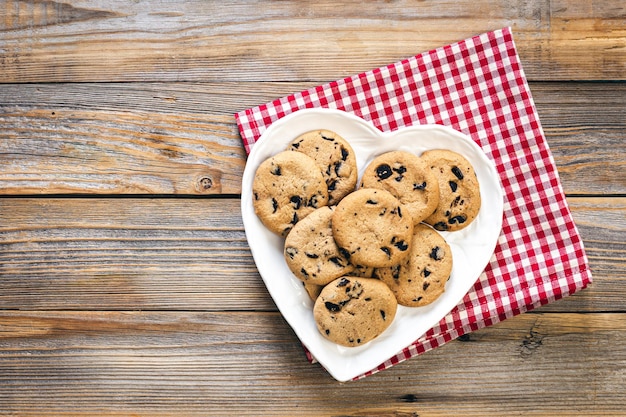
<point x="291" y="252"/>
<point x="453" y="186"/>
<point x="436" y="253"/>
<point x="338" y="166"/>
<point x="294" y="220"/>
<point x="256" y="196"/>
<point x="368" y="299"/>
<point x="395" y="272"/>
<point x="383" y="314"/>
<point x="373" y="202"/>
<point x="400" y="170"/>
<point x="303" y="271"/>
<point x="276" y="170"/>
<point x="332" y="185"/>
<point x="295" y="145"/>
<point x="327" y="138"/>
<point x="344" y="154"/>
<point x="327" y="332"/>
<point x="312" y="202"/>
<point x="343" y="282"/>
<point x="386" y="250"/>
<point x="337" y="261"/>
<point x="441" y="226"/>
<point x="425" y="286"/>
<point x="457" y="219"/>
<point x="345" y="253"/>
<point x="332" y="307"/>
<point x="274" y="205"/>
<point x="311" y="255"/>
<point x="457" y="172"/>
<point x="426" y="272"/>
<point x="383" y="171"/>
<point x="297" y="201"/>
<point x="354" y="291"/>
<point x="402" y="245"/>
<point x="419" y="186"/>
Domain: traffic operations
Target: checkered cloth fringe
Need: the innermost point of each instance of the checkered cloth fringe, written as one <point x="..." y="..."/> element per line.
<point x="476" y="86"/>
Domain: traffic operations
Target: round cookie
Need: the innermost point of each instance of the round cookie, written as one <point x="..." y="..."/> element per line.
<point x="335" y="157"/>
<point x="311" y="252"/>
<point x="286" y="188"/>
<point x="459" y="191"/>
<point x="422" y="277"/>
<point x="408" y="178"/>
<point x="352" y="311"/>
<point x="370" y="227"/>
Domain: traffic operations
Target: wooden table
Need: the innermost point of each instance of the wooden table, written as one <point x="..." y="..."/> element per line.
<point x="126" y="283"/>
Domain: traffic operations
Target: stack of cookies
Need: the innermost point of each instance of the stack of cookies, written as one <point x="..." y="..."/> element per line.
<point x="362" y="250"/>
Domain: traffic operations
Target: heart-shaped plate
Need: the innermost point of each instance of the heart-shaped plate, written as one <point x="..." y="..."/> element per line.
<point x="472" y="247"/>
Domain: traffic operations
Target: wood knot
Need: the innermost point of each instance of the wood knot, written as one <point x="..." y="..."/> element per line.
<point x="531" y="343"/>
<point x="205" y="183"/>
<point x="208" y="182"/>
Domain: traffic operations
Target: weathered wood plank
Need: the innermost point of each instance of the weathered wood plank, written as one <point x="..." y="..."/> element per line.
<point x="120" y="153"/>
<point x="121" y="363"/>
<point x="192" y="254"/>
<point x="181" y="138"/>
<point x="44" y="41"/>
<point x="126" y="254"/>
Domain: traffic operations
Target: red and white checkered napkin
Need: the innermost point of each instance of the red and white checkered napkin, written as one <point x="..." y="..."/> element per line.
<point x="476" y="86"/>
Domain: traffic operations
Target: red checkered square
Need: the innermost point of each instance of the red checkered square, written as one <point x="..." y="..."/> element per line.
<point x="476" y="86"/>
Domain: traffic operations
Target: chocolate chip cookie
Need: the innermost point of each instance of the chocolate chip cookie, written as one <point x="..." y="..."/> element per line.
<point x="408" y="178"/>
<point x="459" y="191"/>
<point x="286" y="188"/>
<point x="353" y="311"/>
<point x="371" y="229"/>
<point x="311" y="252"/>
<point x="335" y="157"/>
<point x="422" y="277"/>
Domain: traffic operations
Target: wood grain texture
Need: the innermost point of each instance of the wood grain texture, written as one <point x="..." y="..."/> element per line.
<point x="179" y="254"/>
<point x="245" y="364"/>
<point x="96" y="40"/>
<point x="181" y="138"/>
<point x="126" y="254"/>
<point x="134" y="292"/>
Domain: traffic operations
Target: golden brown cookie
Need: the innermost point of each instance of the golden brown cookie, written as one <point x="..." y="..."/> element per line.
<point x="408" y="178"/>
<point x="353" y="311"/>
<point x="459" y="191"/>
<point x="335" y="157"/>
<point x="421" y="278"/>
<point x="311" y="252"/>
<point x="370" y="226"/>
<point x="286" y="188"/>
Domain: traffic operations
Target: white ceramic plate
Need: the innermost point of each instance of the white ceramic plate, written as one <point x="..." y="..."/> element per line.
<point x="471" y="247"/>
